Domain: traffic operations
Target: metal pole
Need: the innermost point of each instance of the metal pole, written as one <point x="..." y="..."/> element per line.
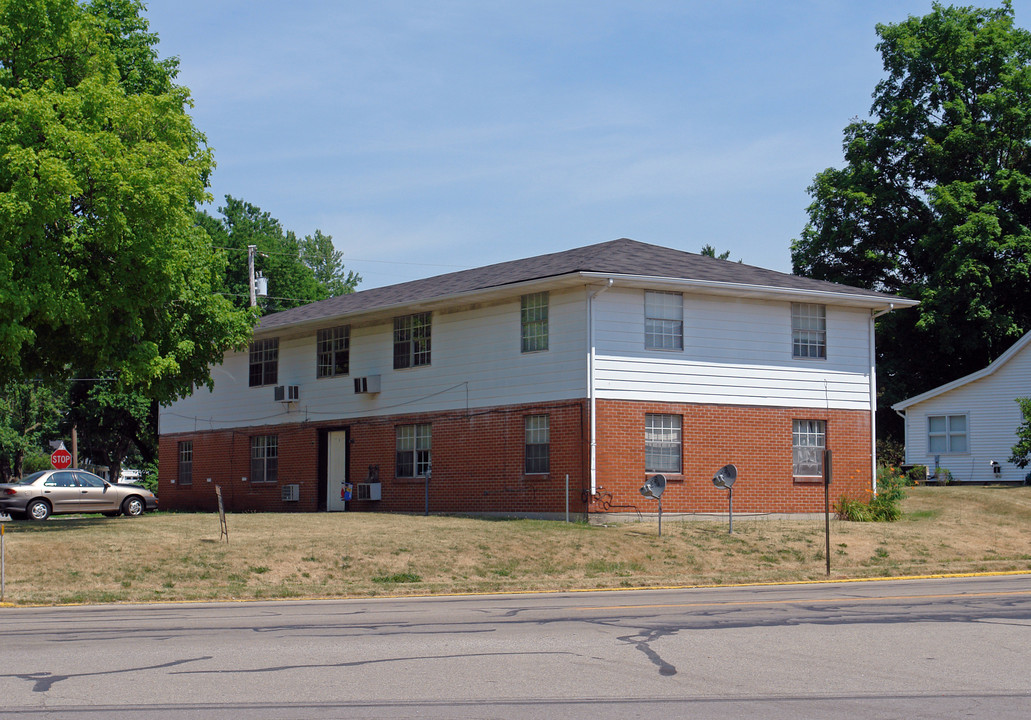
<point x="730" y="503"/>
<point x="427" y="476"/>
<point x="827" y="504"/>
<point x="251" y="249"/>
<point x="567" y="497"/>
<point x="660" y="515"/>
<point x="3" y="564"/>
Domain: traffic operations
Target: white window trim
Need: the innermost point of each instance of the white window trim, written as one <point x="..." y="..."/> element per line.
<point x="821" y="333"/>
<point x="948" y="434"/>
<point x="678" y="335"/>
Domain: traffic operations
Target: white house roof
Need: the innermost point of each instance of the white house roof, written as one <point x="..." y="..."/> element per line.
<point x="983" y="373"/>
<point x="626" y="260"/>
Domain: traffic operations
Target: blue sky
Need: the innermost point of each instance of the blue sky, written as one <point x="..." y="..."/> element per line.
<point x="429" y="136"/>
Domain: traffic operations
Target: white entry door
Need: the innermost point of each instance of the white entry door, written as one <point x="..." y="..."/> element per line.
<point x="336" y="470"/>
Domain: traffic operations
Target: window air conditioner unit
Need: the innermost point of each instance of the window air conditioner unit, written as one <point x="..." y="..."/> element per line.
<point x="291" y="493"/>
<point x="369" y="491"/>
<point x="370" y="384"/>
<point x="286" y="393"/>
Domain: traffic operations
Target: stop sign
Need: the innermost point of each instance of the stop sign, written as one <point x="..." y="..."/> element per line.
<point x="60" y="458"/>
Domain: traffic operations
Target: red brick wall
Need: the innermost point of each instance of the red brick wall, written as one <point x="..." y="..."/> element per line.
<point x="478" y="461"/>
<point x="477" y="464"/>
<point x="756" y="440"/>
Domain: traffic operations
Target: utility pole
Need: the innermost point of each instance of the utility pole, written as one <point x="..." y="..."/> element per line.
<point x="251" y="249"/>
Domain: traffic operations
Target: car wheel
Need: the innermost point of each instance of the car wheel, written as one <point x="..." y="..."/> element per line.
<point x="133" y="506"/>
<point x="38" y="510"/>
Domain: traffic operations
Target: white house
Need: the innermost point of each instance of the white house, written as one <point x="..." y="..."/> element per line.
<point x="969" y="425"/>
<point x="563" y="380"/>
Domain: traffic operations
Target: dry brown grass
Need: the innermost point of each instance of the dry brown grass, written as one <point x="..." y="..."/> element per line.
<point x="167" y="557"/>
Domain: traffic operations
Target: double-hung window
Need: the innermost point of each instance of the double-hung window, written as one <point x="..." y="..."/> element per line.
<point x="663" y="320"/>
<point x="808" y="330"/>
<point x="264" y="458"/>
<point x="662" y="443"/>
<point x="533" y="313"/>
<point x="414" y="446"/>
<point x="186" y="462"/>
<point x="808" y="441"/>
<point x="412" y="340"/>
<point x="538" y="449"/>
<point x="264" y="362"/>
<point x="947" y="434"/>
<point x="333" y="351"/>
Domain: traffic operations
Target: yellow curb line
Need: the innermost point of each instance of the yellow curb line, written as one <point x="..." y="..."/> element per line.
<point x="502" y="593"/>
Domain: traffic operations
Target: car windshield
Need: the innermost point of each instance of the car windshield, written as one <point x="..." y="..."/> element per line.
<point x="29" y="479"/>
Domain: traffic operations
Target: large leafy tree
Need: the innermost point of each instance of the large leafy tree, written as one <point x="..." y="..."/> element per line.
<point x="29" y="417"/>
<point x="298" y="271"/>
<point x="934" y="200"/>
<point x="102" y="267"/>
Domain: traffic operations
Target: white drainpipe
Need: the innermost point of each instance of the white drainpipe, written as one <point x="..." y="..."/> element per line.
<point x="590" y="383"/>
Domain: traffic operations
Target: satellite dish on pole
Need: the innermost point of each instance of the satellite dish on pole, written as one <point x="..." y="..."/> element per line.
<point x="654" y="487"/>
<point x="725" y="477"/>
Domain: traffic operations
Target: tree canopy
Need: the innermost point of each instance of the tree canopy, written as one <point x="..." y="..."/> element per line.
<point x="102" y="267"/>
<point x="298" y="271"/>
<point x="934" y="200"/>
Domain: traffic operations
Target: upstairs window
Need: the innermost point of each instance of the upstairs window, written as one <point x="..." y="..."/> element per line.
<point x="333" y="351"/>
<point x="414" y="448"/>
<point x="808" y="441"/>
<point x="412" y="340"/>
<point x="534" y="320"/>
<point x="947" y="434"/>
<point x="264" y="362"/>
<point x="808" y="330"/>
<point x="663" y="321"/>
<point x="538" y="448"/>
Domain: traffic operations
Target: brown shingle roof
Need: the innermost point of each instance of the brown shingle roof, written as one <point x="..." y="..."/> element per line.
<point x="617" y="257"/>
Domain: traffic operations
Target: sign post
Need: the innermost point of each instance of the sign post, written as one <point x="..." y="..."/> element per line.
<point x="827" y="504"/>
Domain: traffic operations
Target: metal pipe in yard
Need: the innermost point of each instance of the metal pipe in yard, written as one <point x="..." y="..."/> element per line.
<point x="3" y="564"/>
<point x="567" y="497"/>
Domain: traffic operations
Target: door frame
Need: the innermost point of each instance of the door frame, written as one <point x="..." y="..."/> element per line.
<point x="323" y="465"/>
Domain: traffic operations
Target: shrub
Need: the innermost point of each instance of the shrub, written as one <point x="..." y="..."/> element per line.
<point x="885" y="506"/>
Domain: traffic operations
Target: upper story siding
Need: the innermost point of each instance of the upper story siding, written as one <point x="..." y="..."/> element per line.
<point x="476" y="361"/>
<point x="735" y="351"/>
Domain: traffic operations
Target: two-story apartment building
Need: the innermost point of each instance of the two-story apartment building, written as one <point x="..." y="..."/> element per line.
<point x="526" y="387"/>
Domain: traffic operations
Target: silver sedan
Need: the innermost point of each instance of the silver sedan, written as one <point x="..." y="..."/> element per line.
<point x="52" y="492"/>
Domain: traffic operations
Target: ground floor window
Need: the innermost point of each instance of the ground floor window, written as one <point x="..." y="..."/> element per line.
<point x="186" y="462"/>
<point x="947" y="433"/>
<point x="662" y="443"/>
<point x="808" y="441"/>
<point x="414" y="445"/>
<point x="538" y="448"/>
<point x="264" y="458"/>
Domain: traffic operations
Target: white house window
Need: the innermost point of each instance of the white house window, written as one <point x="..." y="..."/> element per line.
<point x="808" y="441"/>
<point x="333" y="352"/>
<point x="662" y="443"/>
<point x="264" y="362"/>
<point x="537" y="444"/>
<point x="808" y="330"/>
<point x="414" y="446"/>
<point x="412" y="340"/>
<point x="663" y="321"/>
<point x="264" y="458"/>
<point x="534" y="321"/>
<point x="947" y="433"/>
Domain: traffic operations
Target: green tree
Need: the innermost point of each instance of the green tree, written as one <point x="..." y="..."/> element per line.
<point x="934" y="201"/>
<point x="710" y="251"/>
<point x="112" y="424"/>
<point x="29" y="417"/>
<point x="327" y="264"/>
<point x="298" y="271"/>
<point x="102" y="267"/>
<point x="1022" y="450"/>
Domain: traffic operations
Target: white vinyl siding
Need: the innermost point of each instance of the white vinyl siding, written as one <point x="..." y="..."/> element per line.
<point x="734" y="354"/>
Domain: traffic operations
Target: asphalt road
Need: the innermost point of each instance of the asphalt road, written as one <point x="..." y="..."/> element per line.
<point x="899" y="649"/>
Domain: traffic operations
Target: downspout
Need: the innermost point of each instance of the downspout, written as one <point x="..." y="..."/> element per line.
<point x="591" y="394"/>
<point x="873" y="399"/>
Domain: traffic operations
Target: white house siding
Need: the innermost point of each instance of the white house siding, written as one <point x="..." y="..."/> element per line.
<point x="736" y="352"/>
<point x="992" y="420"/>
<point x="475" y="359"/>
